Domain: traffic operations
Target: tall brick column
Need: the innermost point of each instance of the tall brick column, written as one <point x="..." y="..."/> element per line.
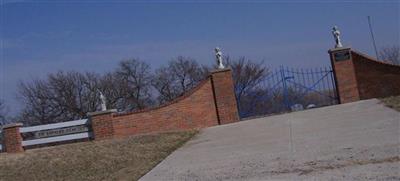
<point x="102" y="124"/>
<point x="12" y="140"/>
<point x="224" y="96"/>
<point x="345" y="74"/>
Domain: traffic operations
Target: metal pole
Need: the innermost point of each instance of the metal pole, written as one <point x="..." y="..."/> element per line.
<point x="373" y="38"/>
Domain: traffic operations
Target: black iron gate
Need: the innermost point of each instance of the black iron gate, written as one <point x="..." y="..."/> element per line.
<point x="288" y="89"/>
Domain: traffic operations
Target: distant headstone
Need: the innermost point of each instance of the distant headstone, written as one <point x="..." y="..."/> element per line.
<point x="310" y="106"/>
<point x="297" y="107"/>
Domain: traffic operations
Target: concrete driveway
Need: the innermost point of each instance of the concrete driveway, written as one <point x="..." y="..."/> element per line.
<point x="355" y="141"/>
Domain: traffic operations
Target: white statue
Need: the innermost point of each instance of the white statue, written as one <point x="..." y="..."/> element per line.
<point x="218" y="55"/>
<point x="103" y="101"/>
<point x="336" y="34"/>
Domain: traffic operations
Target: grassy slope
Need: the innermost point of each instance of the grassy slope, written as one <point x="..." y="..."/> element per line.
<point x="392" y="102"/>
<point x="118" y="159"/>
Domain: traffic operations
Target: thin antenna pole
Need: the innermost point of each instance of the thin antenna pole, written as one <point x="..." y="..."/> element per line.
<point x="373" y="38"/>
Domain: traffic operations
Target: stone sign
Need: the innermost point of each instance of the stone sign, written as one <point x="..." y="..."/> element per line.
<point x="61" y="131"/>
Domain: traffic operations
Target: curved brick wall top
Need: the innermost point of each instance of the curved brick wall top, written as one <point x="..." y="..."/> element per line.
<point x="210" y="103"/>
<point x="375" y="78"/>
<point x="195" y="109"/>
<point x="359" y="76"/>
<point x="176" y="100"/>
<point x="358" y="56"/>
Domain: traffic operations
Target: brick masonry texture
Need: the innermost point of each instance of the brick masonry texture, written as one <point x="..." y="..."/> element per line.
<point x="363" y="77"/>
<point x="211" y="103"/>
<point x="12" y="140"/>
<point x="225" y="96"/>
<point x="375" y="79"/>
<point x="103" y="126"/>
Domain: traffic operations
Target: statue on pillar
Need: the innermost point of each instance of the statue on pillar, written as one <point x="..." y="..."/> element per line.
<point x="336" y="35"/>
<point x="103" y="101"/>
<point x="218" y="55"/>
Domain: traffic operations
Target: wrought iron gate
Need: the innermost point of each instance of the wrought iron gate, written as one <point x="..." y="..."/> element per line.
<point x="288" y="89"/>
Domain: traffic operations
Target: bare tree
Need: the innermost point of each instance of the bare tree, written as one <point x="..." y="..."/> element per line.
<point x="3" y="113"/>
<point x="136" y="79"/>
<point x="181" y="74"/>
<point x="186" y="71"/>
<point x="65" y="96"/>
<point x="248" y="76"/>
<point x="75" y="93"/>
<point x="112" y="86"/>
<point x="390" y="54"/>
<point x="71" y="95"/>
<point x="60" y="97"/>
<point x="38" y="107"/>
<point x="164" y="83"/>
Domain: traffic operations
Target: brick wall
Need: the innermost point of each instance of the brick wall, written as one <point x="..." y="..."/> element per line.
<point x="211" y="103"/>
<point x="375" y="79"/>
<point x="196" y="109"/>
<point x="359" y="76"/>
<point x="225" y="96"/>
<point x="12" y="140"/>
<point x="103" y="125"/>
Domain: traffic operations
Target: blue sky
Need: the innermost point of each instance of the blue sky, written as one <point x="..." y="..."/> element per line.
<point x="40" y="37"/>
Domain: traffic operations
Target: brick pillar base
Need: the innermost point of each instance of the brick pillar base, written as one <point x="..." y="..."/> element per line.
<point x="102" y="124"/>
<point x="345" y="75"/>
<point x="224" y="95"/>
<point x="12" y="140"/>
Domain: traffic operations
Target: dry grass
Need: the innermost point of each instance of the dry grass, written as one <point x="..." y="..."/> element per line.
<point x="118" y="159"/>
<point x="392" y="102"/>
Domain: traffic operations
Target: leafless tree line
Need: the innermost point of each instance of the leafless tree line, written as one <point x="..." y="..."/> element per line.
<point x="248" y="77"/>
<point x="177" y="77"/>
<point x="390" y="54"/>
<point x="3" y="113"/>
<point x="65" y="96"/>
<point x="133" y="85"/>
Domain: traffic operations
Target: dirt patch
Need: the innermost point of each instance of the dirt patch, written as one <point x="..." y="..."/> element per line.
<point x="317" y="166"/>
<point x="118" y="159"/>
<point x="392" y="102"/>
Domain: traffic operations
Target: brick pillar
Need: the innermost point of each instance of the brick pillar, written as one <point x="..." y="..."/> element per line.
<point x="345" y="75"/>
<point x="12" y="140"/>
<point x="224" y="96"/>
<point x="102" y="124"/>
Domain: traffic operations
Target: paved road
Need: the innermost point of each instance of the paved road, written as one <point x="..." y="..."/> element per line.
<point x="355" y="141"/>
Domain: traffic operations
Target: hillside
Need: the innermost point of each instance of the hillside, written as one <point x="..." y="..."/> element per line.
<point x="118" y="159"/>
